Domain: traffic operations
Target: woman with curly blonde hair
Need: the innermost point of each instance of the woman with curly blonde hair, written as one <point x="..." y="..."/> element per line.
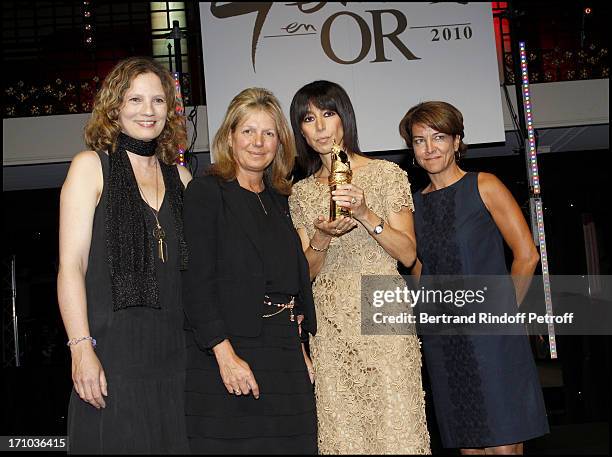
<point x="121" y="252"/>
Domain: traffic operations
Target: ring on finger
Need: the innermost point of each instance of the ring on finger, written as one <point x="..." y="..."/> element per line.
<point x="353" y="201"/>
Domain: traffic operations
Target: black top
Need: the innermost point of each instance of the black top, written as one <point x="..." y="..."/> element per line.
<point x="136" y="341"/>
<point x="280" y="261"/>
<point x="236" y="256"/>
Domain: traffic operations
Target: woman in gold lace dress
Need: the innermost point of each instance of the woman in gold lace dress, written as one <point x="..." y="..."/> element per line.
<point x="368" y="388"/>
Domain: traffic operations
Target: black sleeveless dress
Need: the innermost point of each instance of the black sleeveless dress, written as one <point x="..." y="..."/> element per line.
<point x="486" y="390"/>
<point x="142" y="351"/>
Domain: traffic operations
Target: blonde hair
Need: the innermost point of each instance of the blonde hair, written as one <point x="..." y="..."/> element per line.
<point x="243" y="104"/>
<point x="103" y="127"/>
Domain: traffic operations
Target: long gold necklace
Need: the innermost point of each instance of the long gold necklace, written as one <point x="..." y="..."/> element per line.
<point x="257" y="194"/>
<point x="261" y="203"/>
<point x="158" y="231"/>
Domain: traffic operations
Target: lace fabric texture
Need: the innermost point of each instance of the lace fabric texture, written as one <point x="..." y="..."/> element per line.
<point x="369" y="394"/>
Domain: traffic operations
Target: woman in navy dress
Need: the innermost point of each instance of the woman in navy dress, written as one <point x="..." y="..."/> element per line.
<point x="486" y="391"/>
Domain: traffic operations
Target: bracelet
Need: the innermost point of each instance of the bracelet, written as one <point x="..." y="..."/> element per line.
<point x="74" y="341"/>
<point x="316" y="249"/>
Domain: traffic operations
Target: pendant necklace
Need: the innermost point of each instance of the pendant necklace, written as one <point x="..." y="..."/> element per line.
<point x="261" y="203"/>
<point x="158" y="231"/>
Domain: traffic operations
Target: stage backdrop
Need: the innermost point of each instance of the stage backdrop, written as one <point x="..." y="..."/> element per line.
<point x="388" y="56"/>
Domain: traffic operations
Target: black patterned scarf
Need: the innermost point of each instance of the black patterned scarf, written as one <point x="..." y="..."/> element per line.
<point x="129" y="240"/>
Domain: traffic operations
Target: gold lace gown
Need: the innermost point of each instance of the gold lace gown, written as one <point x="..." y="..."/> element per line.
<point x="368" y="388"/>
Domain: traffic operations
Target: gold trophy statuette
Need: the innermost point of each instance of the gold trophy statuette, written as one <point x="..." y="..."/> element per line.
<point x="340" y="173"/>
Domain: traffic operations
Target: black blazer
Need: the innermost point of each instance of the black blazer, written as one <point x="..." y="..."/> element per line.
<point x="224" y="286"/>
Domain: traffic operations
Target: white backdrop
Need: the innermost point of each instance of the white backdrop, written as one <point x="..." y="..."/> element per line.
<point x="388" y="57"/>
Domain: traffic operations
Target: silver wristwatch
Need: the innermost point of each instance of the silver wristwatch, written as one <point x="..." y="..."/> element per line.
<point x="379" y="228"/>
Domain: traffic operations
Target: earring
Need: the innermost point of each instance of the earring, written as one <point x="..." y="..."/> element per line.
<point x="414" y="164"/>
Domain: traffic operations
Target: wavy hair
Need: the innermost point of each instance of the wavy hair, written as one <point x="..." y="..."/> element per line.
<point x="243" y="104"/>
<point x="102" y="129"/>
<point x="325" y="95"/>
<point x="440" y="116"/>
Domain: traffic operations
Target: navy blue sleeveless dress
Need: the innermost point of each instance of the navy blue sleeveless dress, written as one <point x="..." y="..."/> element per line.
<point x="142" y="352"/>
<point x="486" y="390"/>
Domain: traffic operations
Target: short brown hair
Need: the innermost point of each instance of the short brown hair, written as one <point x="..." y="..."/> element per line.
<point x="103" y="127"/>
<point x="440" y="116"/>
<point x="247" y="101"/>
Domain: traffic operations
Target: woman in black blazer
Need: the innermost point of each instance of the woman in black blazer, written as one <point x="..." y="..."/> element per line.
<point x="249" y="379"/>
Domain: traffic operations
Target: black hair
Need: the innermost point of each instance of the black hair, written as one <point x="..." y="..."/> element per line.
<point x="325" y="95"/>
